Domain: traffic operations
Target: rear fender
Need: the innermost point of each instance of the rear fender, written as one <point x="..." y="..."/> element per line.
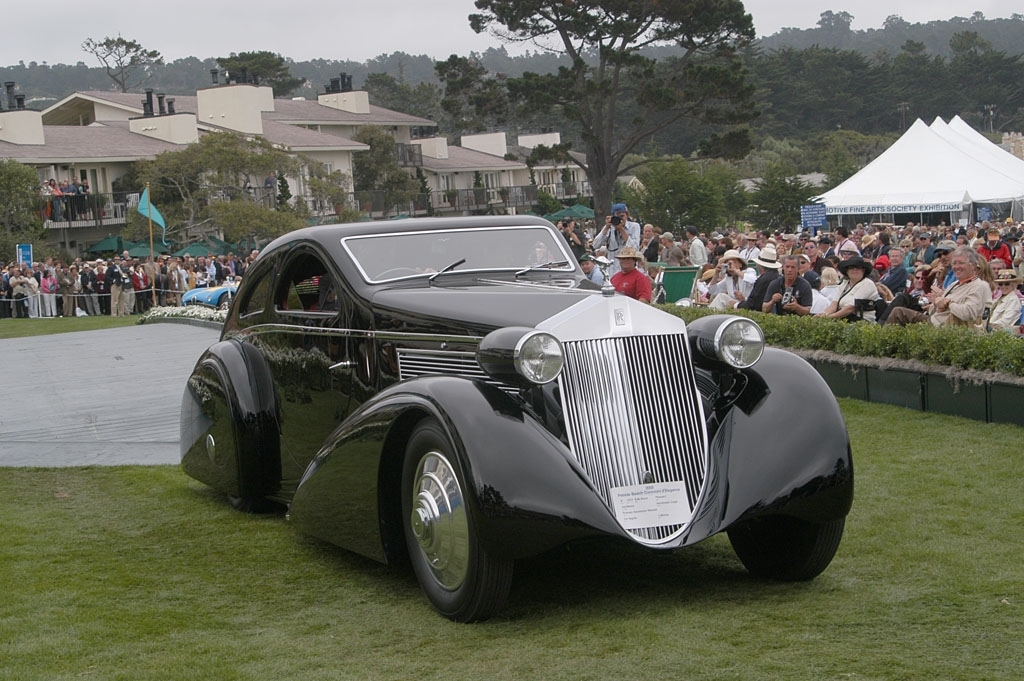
<point x="229" y="434"/>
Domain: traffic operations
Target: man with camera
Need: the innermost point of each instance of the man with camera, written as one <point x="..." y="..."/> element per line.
<point x="574" y="236"/>
<point x="618" y="233"/>
<point x="790" y="293"/>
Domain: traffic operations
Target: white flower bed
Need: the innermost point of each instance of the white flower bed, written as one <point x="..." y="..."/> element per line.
<point x="207" y="314"/>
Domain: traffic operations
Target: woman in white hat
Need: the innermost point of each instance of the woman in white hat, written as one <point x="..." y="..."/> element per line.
<point x="1005" y="314"/>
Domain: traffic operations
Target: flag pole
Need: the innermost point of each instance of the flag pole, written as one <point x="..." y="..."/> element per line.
<point x="152" y="257"/>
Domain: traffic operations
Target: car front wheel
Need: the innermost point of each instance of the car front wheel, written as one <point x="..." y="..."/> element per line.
<point x="785" y="548"/>
<point x="459" y="577"/>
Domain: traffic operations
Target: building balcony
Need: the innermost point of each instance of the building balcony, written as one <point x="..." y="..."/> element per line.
<point x="86" y="210"/>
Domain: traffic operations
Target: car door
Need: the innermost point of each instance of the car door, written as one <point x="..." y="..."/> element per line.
<point x="310" y="354"/>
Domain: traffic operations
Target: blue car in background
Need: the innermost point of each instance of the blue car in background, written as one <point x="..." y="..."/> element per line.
<point x="218" y="297"/>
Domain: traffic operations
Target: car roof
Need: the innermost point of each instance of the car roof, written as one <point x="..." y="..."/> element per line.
<point x="329" y="236"/>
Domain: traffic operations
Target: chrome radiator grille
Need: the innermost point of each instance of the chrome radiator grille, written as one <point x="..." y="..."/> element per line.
<point x="633" y="417"/>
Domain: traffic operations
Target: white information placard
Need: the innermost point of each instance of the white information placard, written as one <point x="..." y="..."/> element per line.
<point x="663" y="503"/>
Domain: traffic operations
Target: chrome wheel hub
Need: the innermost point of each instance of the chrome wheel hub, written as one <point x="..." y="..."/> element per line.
<point x="438" y="520"/>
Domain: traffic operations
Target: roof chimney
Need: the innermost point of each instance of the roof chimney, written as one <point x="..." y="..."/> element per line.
<point x="170" y="106"/>
<point x="9" y="86"/>
<point x="147" y="103"/>
<point x="214" y="73"/>
<point x="19" y="101"/>
<point x="346" y="83"/>
<point x="160" y="102"/>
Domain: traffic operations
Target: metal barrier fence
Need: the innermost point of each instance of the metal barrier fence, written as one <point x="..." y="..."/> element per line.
<point x="40" y="305"/>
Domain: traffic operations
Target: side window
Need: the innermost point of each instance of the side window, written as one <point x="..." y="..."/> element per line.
<point x="258" y="294"/>
<point x="306" y="285"/>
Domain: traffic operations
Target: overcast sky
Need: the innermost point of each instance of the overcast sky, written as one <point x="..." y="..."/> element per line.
<point x="329" y="29"/>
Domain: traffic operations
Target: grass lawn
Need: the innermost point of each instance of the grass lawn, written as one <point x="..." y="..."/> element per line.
<point x="22" y="328"/>
<point x="140" y="573"/>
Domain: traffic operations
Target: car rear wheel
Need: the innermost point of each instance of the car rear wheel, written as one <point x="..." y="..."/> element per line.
<point x="785" y="548"/>
<point x="459" y="577"/>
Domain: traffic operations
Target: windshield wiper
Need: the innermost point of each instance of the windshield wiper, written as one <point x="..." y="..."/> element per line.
<point x="545" y="266"/>
<point x="449" y="268"/>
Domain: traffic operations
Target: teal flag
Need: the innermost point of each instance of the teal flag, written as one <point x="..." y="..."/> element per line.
<point x="150" y="211"/>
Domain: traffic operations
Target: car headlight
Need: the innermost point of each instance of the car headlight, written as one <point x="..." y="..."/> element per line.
<point x="538" y="357"/>
<point x="735" y="341"/>
<point x="739" y="343"/>
<point x="521" y="356"/>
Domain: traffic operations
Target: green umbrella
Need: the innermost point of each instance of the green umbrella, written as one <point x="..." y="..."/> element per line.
<point x="576" y="212"/>
<point x="195" y="250"/>
<point x="218" y="247"/>
<point x="142" y="250"/>
<point x="108" y="245"/>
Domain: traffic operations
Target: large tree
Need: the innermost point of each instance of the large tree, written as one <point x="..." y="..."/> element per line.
<point x="675" y="193"/>
<point x="617" y="95"/>
<point x="126" y="62"/>
<point x="219" y="167"/>
<point x="378" y="170"/>
<point x="266" y="67"/>
<point x="19" y="207"/>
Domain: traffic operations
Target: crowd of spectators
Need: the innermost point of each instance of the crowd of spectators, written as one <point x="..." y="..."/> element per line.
<point x="117" y="286"/>
<point x="965" y="275"/>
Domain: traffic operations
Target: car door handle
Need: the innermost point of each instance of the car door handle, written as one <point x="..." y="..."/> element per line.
<point x="344" y="364"/>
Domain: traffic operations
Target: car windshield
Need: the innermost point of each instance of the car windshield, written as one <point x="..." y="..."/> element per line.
<point x="384" y="257"/>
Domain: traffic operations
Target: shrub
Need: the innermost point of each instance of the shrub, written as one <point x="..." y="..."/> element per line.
<point x="955" y="347"/>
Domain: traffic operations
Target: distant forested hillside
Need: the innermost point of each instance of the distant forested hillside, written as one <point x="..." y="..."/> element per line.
<point x="833" y="30"/>
<point x="810" y="81"/>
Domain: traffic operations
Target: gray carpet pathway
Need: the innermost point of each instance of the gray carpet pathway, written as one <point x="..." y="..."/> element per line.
<point x="106" y="397"/>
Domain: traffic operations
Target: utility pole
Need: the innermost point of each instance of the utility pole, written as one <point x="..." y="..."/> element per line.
<point x="903" y="108"/>
<point x="990" y="113"/>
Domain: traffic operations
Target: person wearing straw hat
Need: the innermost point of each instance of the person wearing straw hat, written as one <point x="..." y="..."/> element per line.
<point x="631" y="280"/>
<point x="768" y="266"/>
<point x="730" y="283"/>
<point x="1005" y="314"/>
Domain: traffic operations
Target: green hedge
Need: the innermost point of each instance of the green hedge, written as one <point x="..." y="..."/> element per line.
<point x="953" y="347"/>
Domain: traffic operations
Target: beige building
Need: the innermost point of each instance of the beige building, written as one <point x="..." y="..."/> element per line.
<point x="96" y="136"/>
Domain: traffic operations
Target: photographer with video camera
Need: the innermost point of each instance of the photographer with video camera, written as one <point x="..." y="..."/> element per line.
<point x="790" y="293"/>
<point x="618" y="233"/>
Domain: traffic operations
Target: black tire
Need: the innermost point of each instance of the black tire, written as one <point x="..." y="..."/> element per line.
<point x="224" y="302"/>
<point x="460" y="578"/>
<point x="786" y="548"/>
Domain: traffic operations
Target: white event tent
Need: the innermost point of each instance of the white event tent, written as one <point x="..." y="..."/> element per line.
<point x="942" y="168"/>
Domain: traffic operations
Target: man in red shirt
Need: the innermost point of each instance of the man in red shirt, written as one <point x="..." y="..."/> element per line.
<point x="631" y="280"/>
<point x="995" y="248"/>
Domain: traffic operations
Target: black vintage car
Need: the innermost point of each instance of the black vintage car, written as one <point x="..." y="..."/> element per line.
<point x="455" y="393"/>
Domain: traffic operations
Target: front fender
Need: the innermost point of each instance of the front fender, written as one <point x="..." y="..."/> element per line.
<point x="791" y="453"/>
<point x="526" y="494"/>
